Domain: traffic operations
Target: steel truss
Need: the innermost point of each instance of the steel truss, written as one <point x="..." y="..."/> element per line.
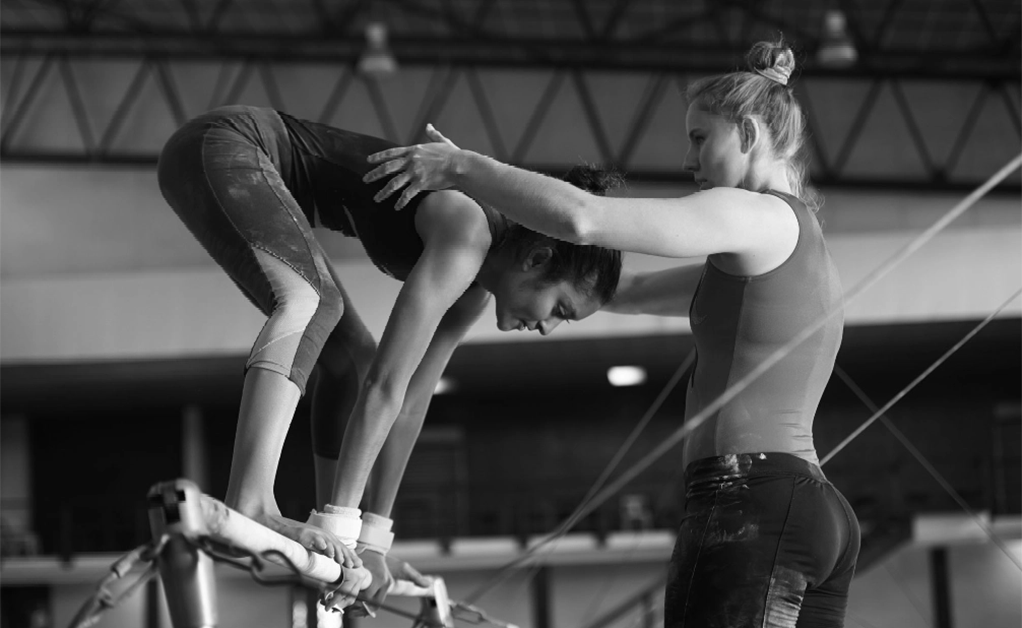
<point x="659" y="45"/>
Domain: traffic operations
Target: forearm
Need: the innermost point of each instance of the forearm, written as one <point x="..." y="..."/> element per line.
<point x="393" y="460"/>
<point x="662" y="293"/>
<point x="541" y="203"/>
<point x="371" y="421"/>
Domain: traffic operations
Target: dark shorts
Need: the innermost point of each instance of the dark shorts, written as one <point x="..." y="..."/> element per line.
<point x="766" y="542"/>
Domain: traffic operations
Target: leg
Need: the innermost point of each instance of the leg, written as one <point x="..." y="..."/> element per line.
<point x="229" y="195"/>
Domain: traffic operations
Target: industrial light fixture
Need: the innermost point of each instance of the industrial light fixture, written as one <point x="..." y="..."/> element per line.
<point x="626" y="375"/>
<point x="837" y="50"/>
<point x="377" y="60"/>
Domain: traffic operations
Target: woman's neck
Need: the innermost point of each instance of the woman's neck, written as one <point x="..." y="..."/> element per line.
<point x="768" y="175"/>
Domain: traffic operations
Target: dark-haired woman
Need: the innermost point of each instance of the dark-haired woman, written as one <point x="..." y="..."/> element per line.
<point x="766" y="540"/>
<point x="251" y="184"/>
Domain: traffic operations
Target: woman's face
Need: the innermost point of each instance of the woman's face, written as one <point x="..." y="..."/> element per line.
<point x="524" y="301"/>
<point x="715" y="154"/>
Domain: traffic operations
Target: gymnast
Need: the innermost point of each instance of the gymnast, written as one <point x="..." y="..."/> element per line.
<point x="251" y="184"/>
<point x="766" y="539"/>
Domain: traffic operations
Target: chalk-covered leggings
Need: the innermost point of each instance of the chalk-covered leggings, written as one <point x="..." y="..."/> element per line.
<point x="221" y="174"/>
<point x="766" y="542"/>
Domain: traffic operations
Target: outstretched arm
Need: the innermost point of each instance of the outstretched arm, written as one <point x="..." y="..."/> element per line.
<point x="719" y="220"/>
<point x="397" y="449"/>
<point x="661" y="293"/>
<point x="456" y="242"/>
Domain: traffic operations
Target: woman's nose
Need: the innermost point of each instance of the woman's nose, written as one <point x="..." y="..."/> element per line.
<point x="691" y="163"/>
<point x="547" y="326"/>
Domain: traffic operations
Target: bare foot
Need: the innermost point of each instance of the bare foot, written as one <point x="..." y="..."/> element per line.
<point x="311" y="538"/>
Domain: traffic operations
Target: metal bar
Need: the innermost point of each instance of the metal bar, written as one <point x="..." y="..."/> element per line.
<point x="217" y="97"/>
<point x="814" y="126"/>
<point x="856" y="129"/>
<point x="434" y="102"/>
<point x="170" y="91"/>
<point x="134" y="88"/>
<point x="382" y="113"/>
<point x="77" y="105"/>
<point x="584" y="19"/>
<point x="542" y="108"/>
<point x="481" y="14"/>
<point x="336" y="96"/>
<point x="651" y="99"/>
<point x="1009" y="104"/>
<point x="14" y="120"/>
<point x="913" y="128"/>
<point x="984" y="17"/>
<point x="672" y="26"/>
<point x="885" y="22"/>
<point x="614" y="18"/>
<point x="12" y="87"/>
<point x="941" y="587"/>
<point x="240" y="81"/>
<point x="347" y="16"/>
<point x="541" y="613"/>
<point x="486" y="112"/>
<point x="272" y="89"/>
<point x="217" y="15"/>
<point x="193" y="14"/>
<point x="593" y="117"/>
<point x="963" y="134"/>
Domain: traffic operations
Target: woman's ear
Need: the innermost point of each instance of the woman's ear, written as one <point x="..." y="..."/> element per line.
<point x="749" y="132"/>
<point x="538" y="256"/>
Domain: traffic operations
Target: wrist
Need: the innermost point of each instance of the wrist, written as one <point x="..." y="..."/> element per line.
<point x="376" y="535"/>
<point x="461" y="164"/>
<point x="344" y="523"/>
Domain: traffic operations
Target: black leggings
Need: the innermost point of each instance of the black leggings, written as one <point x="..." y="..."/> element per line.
<point x="766" y="542"/>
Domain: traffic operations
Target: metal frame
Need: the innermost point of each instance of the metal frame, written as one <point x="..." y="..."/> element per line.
<point x="458" y="39"/>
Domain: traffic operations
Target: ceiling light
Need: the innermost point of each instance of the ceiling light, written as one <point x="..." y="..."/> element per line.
<point x="837" y="50"/>
<point x="626" y="375"/>
<point x="377" y="60"/>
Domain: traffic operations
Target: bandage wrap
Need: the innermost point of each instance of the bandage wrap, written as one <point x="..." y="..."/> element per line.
<point x="376" y="535"/>
<point x="344" y="523"/>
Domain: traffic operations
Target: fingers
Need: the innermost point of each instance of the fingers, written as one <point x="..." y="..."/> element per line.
<point x="348" y="557"/>
<point x="411" y="573"/>
<point x="392" y="186"/>
<point x="388" y="168"/>
<point x="388" y="154"/>
<point x="436" y="136"/>
<point x="408" y="195"/>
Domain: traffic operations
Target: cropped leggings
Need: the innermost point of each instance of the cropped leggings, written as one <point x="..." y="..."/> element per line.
<point x="766" y="542"/>
<point x="219" y="174"/>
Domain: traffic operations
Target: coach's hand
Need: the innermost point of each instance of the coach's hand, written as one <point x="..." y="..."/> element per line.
<point x="415" y="168"/>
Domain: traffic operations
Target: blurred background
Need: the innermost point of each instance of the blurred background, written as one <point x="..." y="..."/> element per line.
<point x="122" y="345"/>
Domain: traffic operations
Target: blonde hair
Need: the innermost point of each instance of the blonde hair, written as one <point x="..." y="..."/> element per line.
<point x="764" y="91"/>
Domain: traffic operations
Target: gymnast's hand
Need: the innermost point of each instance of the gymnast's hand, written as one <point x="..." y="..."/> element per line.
<point x="353" y="582"/>
<point x="420" y="167"/>
<point x="386" y="571"/>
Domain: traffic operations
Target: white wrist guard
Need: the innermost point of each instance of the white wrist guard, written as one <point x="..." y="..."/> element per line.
<point x="376" y="535"/>
<point x="344" y="523"/>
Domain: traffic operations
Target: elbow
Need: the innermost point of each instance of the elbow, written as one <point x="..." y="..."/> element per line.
<point x="382" y="396"/>
<point x="579" y="226"/>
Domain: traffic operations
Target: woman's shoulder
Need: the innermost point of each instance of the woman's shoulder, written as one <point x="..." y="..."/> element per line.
<point x="453" y="215"/>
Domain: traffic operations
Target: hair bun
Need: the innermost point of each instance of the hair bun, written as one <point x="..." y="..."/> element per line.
<point x="774" y="60"/>
<point x="594" y="179"/>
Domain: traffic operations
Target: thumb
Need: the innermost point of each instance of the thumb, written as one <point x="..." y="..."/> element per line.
<point x="437" y="136"/>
